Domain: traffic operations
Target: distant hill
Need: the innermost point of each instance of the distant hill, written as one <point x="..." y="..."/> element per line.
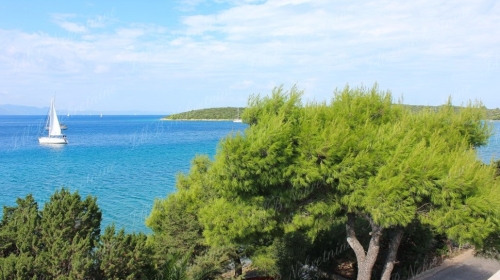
<point x="230" y="113"/>
<point x="8" y="109"/>
<point x="491" y="114"/>
<point x="224" y="113"/>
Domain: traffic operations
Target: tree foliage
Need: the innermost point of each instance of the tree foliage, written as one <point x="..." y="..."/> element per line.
<point x="360" y="157"/>
<point x="125" y="256"/>
<point x="56" y="242"/>
<point x="69" y="231"/>
<point x="63" y="241"/>
<point x="177" y="231"/>
<point x="19" y="239"/>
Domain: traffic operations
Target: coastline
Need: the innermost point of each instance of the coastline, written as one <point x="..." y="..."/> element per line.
<point x="204" y="120"/>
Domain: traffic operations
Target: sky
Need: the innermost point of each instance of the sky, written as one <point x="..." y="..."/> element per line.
<point x="178" y="55"/>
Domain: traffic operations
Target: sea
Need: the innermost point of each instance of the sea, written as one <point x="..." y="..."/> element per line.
<point x="125" y="161"/>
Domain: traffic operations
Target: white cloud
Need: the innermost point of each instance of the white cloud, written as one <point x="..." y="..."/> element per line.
<point x="245" y="84"/>
<point x="129" y="32"/>
<point x="61" y="20"/>
<point x="73" y="27"/>
<point x="101" y="20"/>
<point x="424" y="46"/>
<point x="101" y="69"/>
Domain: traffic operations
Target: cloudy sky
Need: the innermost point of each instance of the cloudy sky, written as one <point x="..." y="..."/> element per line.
<point x="171" y="56"/>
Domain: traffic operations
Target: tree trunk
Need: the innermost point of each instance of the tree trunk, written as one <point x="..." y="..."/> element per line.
<point x="352" y="240"/>
<point x="365" y="261"/>
<point x="450" y="247"/>
<point x="393" y="251"/>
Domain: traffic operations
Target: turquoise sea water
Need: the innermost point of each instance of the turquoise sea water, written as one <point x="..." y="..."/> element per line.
<point x="126" y="161"/>
<point x="492" y="150"/>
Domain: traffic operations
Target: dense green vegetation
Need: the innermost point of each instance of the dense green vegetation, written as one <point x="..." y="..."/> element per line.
<point x="63" y="241"/>
<point x="491" y="114"/>
<point x="360" y="187"/>
<point x="361" y="159"/>
<point x="226" y="113"/>
<point x="230" y="113"/>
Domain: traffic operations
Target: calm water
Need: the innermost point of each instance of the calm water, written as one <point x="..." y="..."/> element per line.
<point x="126" y="161"/>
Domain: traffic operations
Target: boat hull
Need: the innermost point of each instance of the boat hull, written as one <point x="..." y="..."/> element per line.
<point x="52" y="140"/>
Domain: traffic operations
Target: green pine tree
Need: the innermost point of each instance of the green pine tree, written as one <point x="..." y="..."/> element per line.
<point x="124" y="256"/>
<point x="70" y="229"/>
<point x="177" y="232"/>
<point x="362" y="157"/>
<point x="19" y="240"/>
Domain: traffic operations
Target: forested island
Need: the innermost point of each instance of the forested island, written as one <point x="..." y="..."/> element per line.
<point x="230" y="113"/>
<point x="220" y="114"/>
<point x="360" y="187"/>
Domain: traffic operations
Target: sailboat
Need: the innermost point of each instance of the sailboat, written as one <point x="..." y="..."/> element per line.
<point x="61" y="125"/>
<point x="55" y="136"/>
<point x="238" y="120"/>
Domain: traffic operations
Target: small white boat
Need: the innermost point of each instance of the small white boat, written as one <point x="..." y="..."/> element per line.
<point x="54" y="136"/>
<point x="238" y="120"/>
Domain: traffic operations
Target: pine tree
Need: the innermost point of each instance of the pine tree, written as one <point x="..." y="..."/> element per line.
<point x="19" y="239"/>
<point x="177" y="236"/>
<point x="70" y="229"/>
<point x="124" y="256"/>
<point x="360" y="158"/>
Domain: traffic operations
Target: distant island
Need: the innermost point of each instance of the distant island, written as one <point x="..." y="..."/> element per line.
<point x="210" y="114"/>
<point x="231" y="113"/>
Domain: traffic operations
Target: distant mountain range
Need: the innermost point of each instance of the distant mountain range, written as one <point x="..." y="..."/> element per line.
<point x="8" y="109"/>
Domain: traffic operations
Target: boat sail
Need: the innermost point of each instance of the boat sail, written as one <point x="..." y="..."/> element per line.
<point x="63" y="126"/>
<point x="238" y="119"/>
<point x="55" y="136"/>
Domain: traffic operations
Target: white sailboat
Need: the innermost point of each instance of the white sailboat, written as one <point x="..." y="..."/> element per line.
<point x="55" y="136"/>
<point x="238" y="120"/>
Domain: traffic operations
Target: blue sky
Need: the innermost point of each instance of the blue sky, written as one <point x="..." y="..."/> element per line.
<point x="173" y="56"/>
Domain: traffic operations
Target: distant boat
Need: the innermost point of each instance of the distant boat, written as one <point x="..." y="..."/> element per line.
<point x="238" y="120"/>
<point x="54" y="136"/>
<point x="101" y="115"/>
